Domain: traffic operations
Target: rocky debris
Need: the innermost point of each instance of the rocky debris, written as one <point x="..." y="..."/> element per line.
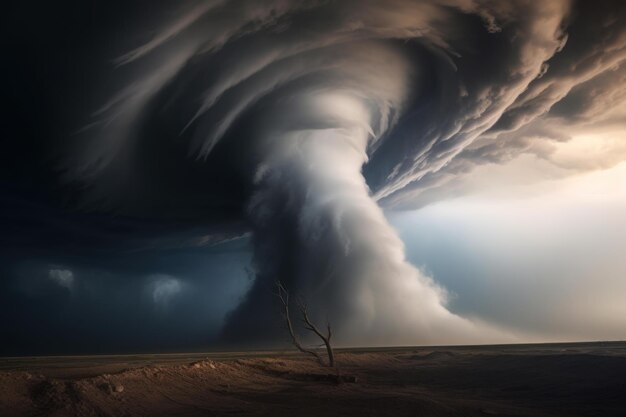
<point x="106" y="387"/>
<point x="203" y="364"/>
<point x="53" y="394"/>
<point x="110" y="387"/>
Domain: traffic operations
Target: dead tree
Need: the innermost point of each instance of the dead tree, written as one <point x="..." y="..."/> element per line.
<point x="283" y="295"/>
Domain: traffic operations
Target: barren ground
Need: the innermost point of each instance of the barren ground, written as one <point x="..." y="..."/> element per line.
<point x="517" y="380"/>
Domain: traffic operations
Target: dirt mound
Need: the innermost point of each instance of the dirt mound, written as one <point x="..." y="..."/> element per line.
<point x="397" y="383"/>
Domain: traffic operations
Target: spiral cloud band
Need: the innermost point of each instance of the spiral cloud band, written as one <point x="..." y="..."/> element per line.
<point x="300" y="120"/>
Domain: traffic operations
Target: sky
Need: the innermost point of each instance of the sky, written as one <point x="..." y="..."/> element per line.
<point x="420" y="172"/>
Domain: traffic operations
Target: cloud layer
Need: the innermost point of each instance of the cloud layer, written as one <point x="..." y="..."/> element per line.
<point x="63" y="277"/>
<point x="299" y="120"/>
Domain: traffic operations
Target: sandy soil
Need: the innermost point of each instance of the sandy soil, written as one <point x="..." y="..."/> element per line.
<point x="541" y="380"/>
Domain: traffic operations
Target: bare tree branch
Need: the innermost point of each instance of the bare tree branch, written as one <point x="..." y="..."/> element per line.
<point x="283" y="295"/>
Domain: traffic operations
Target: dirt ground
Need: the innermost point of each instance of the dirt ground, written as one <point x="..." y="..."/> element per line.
<point x="540" y="380"/>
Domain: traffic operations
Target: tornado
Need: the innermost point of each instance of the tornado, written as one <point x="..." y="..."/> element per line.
<point x="300" y="123"/>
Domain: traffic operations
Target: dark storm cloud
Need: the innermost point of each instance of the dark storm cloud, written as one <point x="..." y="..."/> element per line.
<point x="295" y="120"/>
<point x="580" y="89"/>
<point x="145" y="301"/>
<point x="289" y="101"/>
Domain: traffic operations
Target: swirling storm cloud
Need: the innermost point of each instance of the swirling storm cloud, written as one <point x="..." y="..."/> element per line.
<point x="294" y="124"/>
